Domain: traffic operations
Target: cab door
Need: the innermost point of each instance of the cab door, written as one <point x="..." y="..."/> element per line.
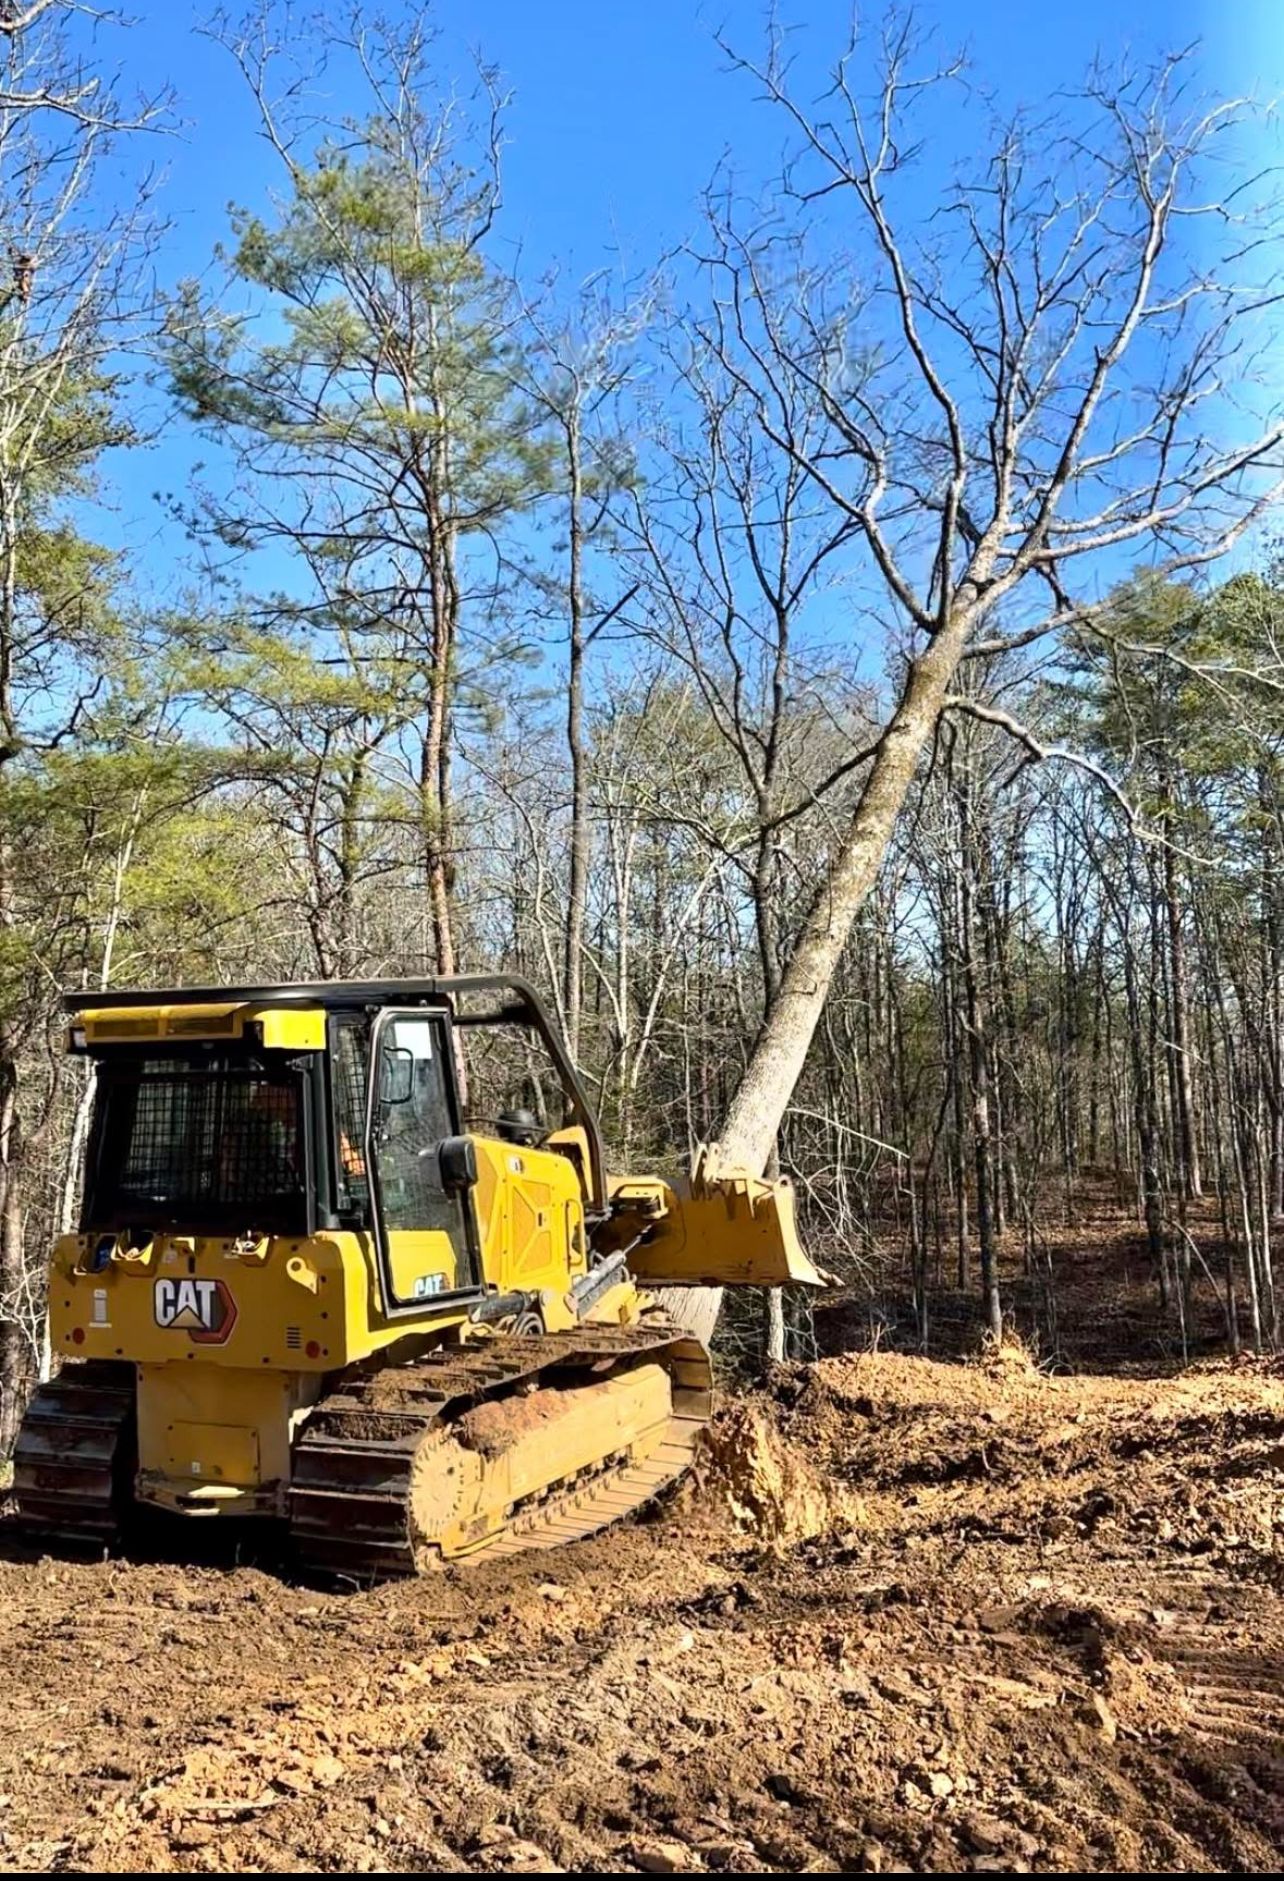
<point x="426" y="1233"/>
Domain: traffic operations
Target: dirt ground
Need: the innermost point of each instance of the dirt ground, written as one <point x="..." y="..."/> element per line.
<point x="915" y="1617"/>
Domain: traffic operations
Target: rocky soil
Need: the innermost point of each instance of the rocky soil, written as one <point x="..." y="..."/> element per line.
<point x="914" y="1617"/>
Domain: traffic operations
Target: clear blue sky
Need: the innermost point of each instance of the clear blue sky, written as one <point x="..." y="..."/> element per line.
<point x="621" y="110"/>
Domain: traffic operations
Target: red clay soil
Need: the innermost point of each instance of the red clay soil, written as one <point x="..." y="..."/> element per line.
<point x="491" y="1429"/>
<point x="914" y="1617"/>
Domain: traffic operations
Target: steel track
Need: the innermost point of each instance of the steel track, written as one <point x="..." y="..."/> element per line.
<point x="73" y="1458"/>
<point x="350" y="1494"/>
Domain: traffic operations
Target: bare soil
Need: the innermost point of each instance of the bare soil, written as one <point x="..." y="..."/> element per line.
<point x="492" y="1429"/>
<point x="913" y="1617"/>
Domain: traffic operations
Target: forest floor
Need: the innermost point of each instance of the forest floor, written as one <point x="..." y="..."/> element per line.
<point x="915" y="1616"/>
<point x="1087" y="1301"/>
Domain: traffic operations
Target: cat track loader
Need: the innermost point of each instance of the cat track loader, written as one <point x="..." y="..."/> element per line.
<point x="327" y="1276"/>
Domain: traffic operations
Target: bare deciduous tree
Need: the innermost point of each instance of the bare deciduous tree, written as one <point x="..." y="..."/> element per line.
<point x="732" y="554"/>
<point x="577" y="367"/>
<point x="1033" y="399"/>
<point x="73" y="295"/>
<point x="43" y="72"/>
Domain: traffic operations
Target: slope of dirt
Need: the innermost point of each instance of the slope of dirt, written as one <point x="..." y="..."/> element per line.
<point x="916" y="1617"/>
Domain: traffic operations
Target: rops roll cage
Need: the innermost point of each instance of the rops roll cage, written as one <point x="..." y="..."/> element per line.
<point x="521" y="1005"/>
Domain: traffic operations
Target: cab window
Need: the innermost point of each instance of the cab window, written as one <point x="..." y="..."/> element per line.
<point x="412" y="1115"/>
<point x="349" y="1049"/>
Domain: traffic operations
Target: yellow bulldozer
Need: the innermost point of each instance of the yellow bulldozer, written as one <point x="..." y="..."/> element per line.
<point x="329" y="1275"/>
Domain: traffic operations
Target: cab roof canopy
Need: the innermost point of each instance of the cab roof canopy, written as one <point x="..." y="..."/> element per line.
<point x="518" y="1003"/>
<point x="325" y="993"/>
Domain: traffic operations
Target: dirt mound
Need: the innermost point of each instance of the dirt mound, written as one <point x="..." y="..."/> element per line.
<point x="1194" y="1462"/>
<point x="763" y="1485"/>
<point x="494" y="1428"/>
<point x="917" y="1617"/>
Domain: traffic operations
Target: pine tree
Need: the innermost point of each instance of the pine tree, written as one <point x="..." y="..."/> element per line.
<point x="370" y="401"/>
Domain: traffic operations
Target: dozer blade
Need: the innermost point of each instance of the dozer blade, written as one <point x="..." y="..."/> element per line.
<point x="722" y="1228"/>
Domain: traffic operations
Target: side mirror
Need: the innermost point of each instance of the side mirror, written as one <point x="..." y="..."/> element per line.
<point x="457" y="1162"/>
<point x="396" y="1075"/>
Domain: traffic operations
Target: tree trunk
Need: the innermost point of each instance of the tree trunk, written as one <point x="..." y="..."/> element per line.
<point x="1187" y="1129"/>
<point x="433" y="780"/>
<point x="13" y="1351"/>
<point x="774" y="1346"/>
<point x="781" y="1048"/>
<point x="577" y="896"/>
<point x="434" y="764"/>
<point x="758" y="1107"/>
<point x="1272" y="925"/>
<point x="773" y="1343"/>
<point x="978" y="1062"/>
<point x="1145" y="1116"/>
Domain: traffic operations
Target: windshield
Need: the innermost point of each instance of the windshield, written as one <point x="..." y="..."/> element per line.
<point x="210" y="1143"/>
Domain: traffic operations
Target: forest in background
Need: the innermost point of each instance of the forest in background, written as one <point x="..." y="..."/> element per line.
<point x="561" y="626"/>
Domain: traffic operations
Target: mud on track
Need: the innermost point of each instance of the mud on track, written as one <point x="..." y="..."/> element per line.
<point x="1000" y="1622"/>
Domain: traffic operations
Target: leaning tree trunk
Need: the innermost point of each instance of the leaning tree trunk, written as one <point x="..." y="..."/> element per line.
<point x="781" y="1049"/>
<point x="758" y="1107"/>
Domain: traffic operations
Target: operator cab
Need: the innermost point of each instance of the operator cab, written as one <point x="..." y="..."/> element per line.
<point x="298" y="1110"/>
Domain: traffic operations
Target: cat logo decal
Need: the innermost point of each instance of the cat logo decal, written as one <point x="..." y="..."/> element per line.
<point x="203" y="1309"/>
